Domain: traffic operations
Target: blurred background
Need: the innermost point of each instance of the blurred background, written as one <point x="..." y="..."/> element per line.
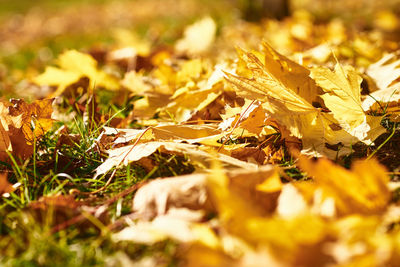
<point x="33" y="33"/>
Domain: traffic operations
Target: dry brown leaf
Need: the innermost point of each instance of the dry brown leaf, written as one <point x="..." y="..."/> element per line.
<point x="22" y="124"/>
<point x="6" y="121"/>
<point x="126" y="154"/>
<point x="250" y="154"/>
<point x="156" y="198"/>
<point x="36" y="115"/>
<point x="5" y="143"/>
<point x="159" y="196"/>
<point x="5" y="186"/>
<point x="58" y="207"/>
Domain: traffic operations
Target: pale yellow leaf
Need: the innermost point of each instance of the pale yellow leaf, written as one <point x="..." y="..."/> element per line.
<point x="74" y="65"/>
<point x="292" y="75"/>
<point x="159" y="196"/>
<point x="385" y="74"/>
<point x="131" y="153"/>
<point x="343" y="97"/>
<point x="135" y="83"/>
<point x="198" y="37"/>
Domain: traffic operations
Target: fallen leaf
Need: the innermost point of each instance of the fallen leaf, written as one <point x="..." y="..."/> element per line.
<point x="5" y="186"/>
<point x="363" y="189"/>
<point x="286" y="105"/>
<point x="281" y="236"/>
<point x="198" y="37"/>
<point x="292" y="75"/>
<point x="250" y="154"/>
<point x="22" y="124"/>
<point x="164" y="131"/>
<point x="163" y="228"/>
<point x="157" y="197"/>
<point x="131" y="153"/>
<point x="386" y="74"/>
<point x="255" y="121"/>
<point x="74" y="65"/>
<point x="135" y="82"/>
<point x="343" y="98"/>
<point x="5" y="143"/>
<point x="271" y="184"/>
<point x="36" y="115"/>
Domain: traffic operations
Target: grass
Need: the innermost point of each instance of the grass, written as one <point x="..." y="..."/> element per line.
<point x="22" y="6"/>
<point x="26" y="237"/>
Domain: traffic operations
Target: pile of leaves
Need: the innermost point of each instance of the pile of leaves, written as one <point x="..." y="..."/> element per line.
<point x="216" y="150"/>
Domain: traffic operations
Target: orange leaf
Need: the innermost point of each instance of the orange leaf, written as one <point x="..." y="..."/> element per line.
<point x="36" y="114"/>
<point x="5" y="186"/>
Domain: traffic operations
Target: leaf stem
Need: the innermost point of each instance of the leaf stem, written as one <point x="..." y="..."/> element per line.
<point x="381" y="145"/>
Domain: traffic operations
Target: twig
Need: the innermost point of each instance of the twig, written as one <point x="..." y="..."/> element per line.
<point x="122" y="160"/>
<point x="234" y="127"/>
<point x="108" y="202"/>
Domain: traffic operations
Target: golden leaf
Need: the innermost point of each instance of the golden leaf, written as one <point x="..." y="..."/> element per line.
<point x="285" y="103"/>
<point x="74" y="65"/>
<point x="272" y="183"/>
<point x="343" y="97"/>
<point x="281" y="236"/>
<point x="363" y="189"/>
<point x="255" y="121"/>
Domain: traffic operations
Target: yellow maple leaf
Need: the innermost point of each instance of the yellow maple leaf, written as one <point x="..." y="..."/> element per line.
<point x="343" y="97"/>
<point x="187" y="102"/>
<point x="363" y="189"/>
<point x="190" y="70"/>
<point x="255" y="121"/>
<point x="290" y="74"/>
<point x="134" y="82"/>
<point x="288" y="103"/>
<point x="74" y="65"/>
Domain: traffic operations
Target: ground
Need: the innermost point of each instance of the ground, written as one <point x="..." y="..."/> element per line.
<point x="148" y="133"/>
